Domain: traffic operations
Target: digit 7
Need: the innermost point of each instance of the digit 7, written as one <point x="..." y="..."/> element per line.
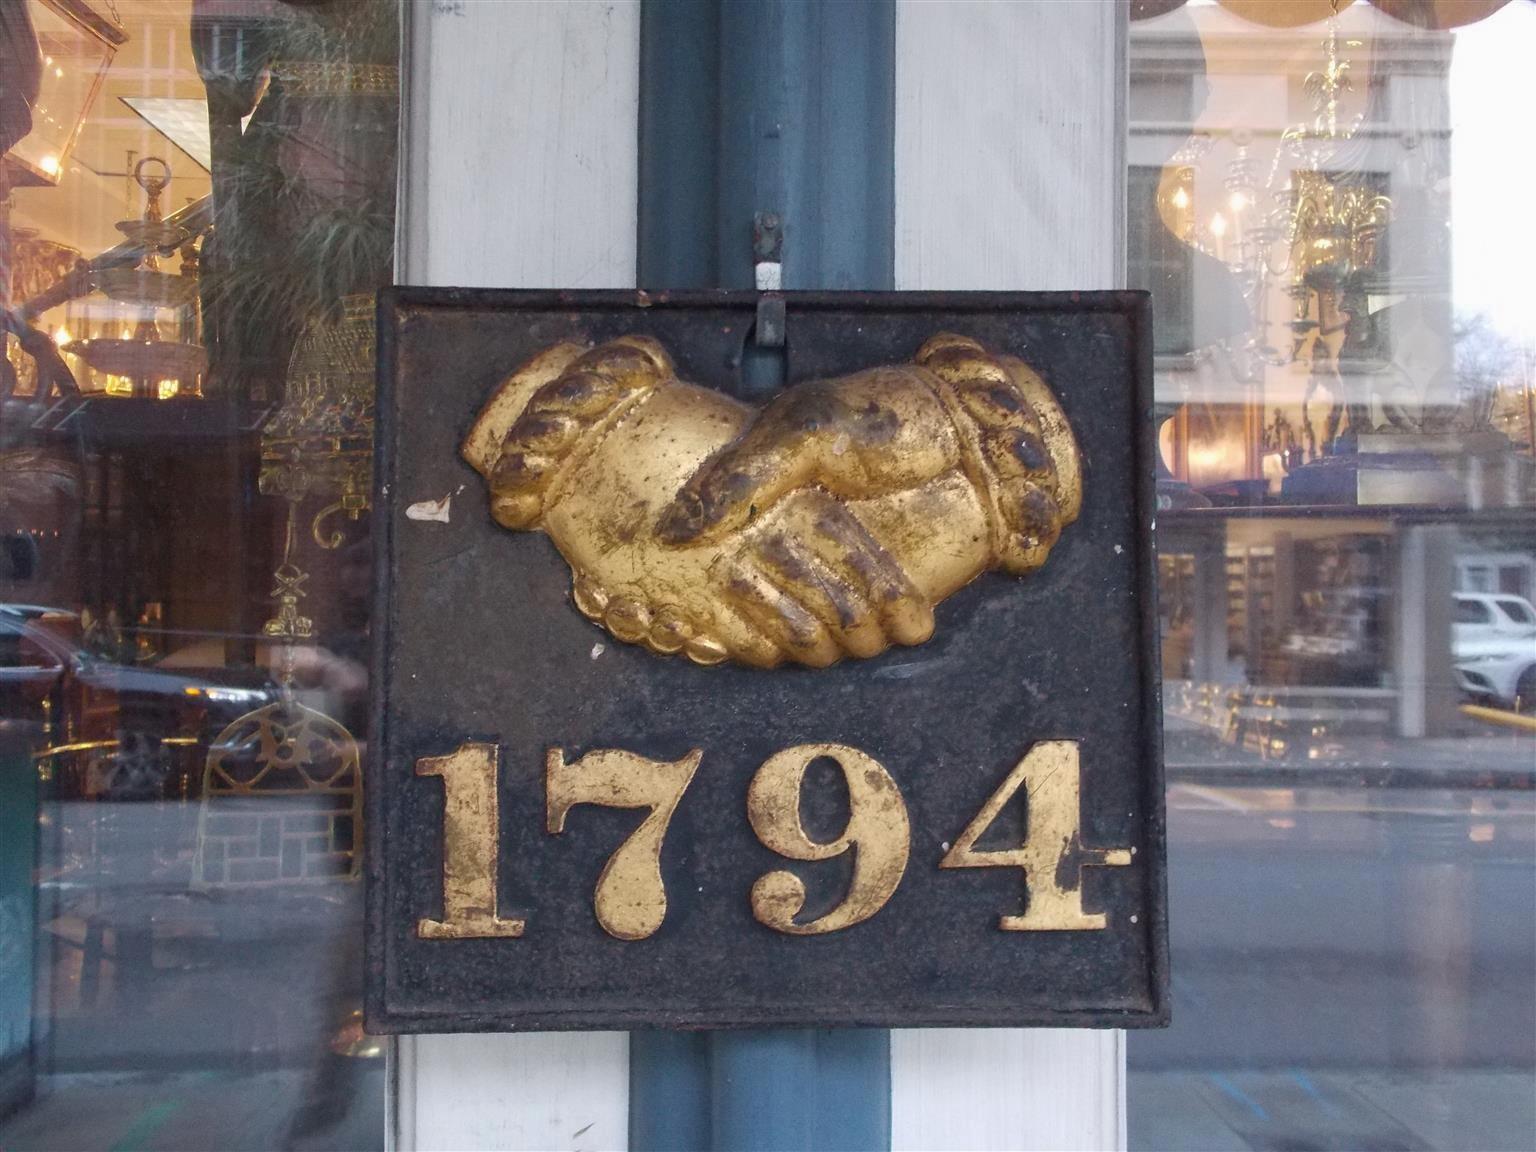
<point x="630" y="900"/>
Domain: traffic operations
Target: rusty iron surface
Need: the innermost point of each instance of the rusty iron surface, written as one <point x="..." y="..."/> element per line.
<point x="680" y="845"/>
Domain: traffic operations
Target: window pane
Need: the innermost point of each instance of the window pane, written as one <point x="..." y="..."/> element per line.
<point x="1339" y="244"/>
<point x="199" y="206"/>
<point x="1469" y="611"/>
<point x="1517" y="610"/>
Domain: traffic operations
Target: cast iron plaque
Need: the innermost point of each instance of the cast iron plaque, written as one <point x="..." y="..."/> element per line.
<point x="571" y="828"/>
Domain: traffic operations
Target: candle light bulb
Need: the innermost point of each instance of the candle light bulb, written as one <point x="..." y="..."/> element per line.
<point x="1218" y="225"/>
<point x="1180" y="199"/>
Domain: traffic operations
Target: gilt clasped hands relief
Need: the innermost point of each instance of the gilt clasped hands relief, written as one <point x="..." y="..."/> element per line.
<point x="827" y="523"/>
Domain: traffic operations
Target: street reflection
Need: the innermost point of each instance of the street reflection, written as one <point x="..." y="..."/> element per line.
<point x="1352" y="967"/>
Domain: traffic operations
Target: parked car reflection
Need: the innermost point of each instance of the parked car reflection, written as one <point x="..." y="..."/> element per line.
<point x="109" y="729"/>
<point x="198" y="850"/>
<point x="1494" y="641"/>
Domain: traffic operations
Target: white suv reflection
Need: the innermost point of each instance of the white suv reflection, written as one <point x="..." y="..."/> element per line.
<point x="1493" y="641"/>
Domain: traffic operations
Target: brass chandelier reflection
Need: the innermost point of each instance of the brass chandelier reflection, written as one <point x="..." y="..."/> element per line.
<point x="1305" y="222"/>
<point x="143" y="361"/>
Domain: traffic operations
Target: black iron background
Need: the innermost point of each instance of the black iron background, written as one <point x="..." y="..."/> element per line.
<point x="476" y="639"/>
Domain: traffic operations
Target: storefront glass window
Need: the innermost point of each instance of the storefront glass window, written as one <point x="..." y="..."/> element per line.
<point x="1330" y="202"/>
<point x="1335" y="226"/>
<point x="198" y="205"/>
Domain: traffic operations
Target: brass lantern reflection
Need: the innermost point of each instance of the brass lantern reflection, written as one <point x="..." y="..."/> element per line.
<point x="76" y="45"/>
<point x="319" y="443"/>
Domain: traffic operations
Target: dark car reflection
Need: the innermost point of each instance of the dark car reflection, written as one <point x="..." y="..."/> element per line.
<point x="197" y="853"/>
<point x="112" y="730"/>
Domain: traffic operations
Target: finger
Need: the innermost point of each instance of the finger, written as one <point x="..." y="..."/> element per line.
<point x="960" y="360"/>
<point x="1057" y="434"/>
<point x="546" y="433"/>
<point x="556" y="418"/>
<point x="653" y="350"/>
<point x="1006" y="425"/>
<point x="831" y="592"/>
<point x="631" y="361"/>
<point x="1019" y="449"/>
<point x="904" y="612"/>
<point x="708" y="651"/>
<point x="1033" y="521"/>
<point x="483" y="443"/>
<point x="517" y="484"/>
<point x="736" y="636"/>
<point x="581" y="394"/>
<point x="731" y="489"/>
<point x="530" y="456"/>
<point x="791" y="627"/>
<point x="665" y="630"/>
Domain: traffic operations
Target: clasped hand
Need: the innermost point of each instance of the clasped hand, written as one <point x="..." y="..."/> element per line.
<point x="828" y="523"/>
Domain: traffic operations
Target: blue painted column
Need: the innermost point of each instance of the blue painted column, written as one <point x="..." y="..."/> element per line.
<point x="751" y="106"/>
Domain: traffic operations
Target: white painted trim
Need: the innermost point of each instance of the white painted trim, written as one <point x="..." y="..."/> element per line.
<point x="1010" y="174"/>
<point x="522" y="1091"/>
<point x="521" y="137"/>
<point x="518" y="169"/>
<point x="1007" y="1088"/>
<point x="1010" y="145"/>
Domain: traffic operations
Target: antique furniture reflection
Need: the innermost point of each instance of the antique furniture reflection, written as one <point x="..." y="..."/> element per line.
<point x="829" y="523"/>
<point x="319" y="444"/>
<point x="320" y="441"/>
<point x="281" y="801"/>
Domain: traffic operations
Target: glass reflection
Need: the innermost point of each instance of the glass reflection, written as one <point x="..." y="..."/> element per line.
<point x="1347" y="568"/>
<point x="185" y="429"/>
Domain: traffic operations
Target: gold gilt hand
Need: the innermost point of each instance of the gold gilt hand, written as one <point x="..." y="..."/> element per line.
<point x="827" y="524"/>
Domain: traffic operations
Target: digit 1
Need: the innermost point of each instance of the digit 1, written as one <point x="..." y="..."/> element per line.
<point x="470" y="847"/>
<point x="1052" y="855"/>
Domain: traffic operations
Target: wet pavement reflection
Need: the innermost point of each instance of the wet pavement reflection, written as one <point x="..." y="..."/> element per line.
<point x="1352" y="968"/>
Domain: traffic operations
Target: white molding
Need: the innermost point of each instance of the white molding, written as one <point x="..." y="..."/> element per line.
<point x="1010" y="145"/>
<point x="518" y="169"/>
<point x="969" y="1089"/>
<point x="1010" y="174"/>
<point x="503" y="1090"/>
<point x="521" y="137"/>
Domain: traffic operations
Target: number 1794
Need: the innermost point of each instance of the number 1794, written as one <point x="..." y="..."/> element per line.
<point x="630" y="900"/>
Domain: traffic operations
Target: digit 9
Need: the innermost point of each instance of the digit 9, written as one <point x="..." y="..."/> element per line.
<point x="877" y="830"/>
